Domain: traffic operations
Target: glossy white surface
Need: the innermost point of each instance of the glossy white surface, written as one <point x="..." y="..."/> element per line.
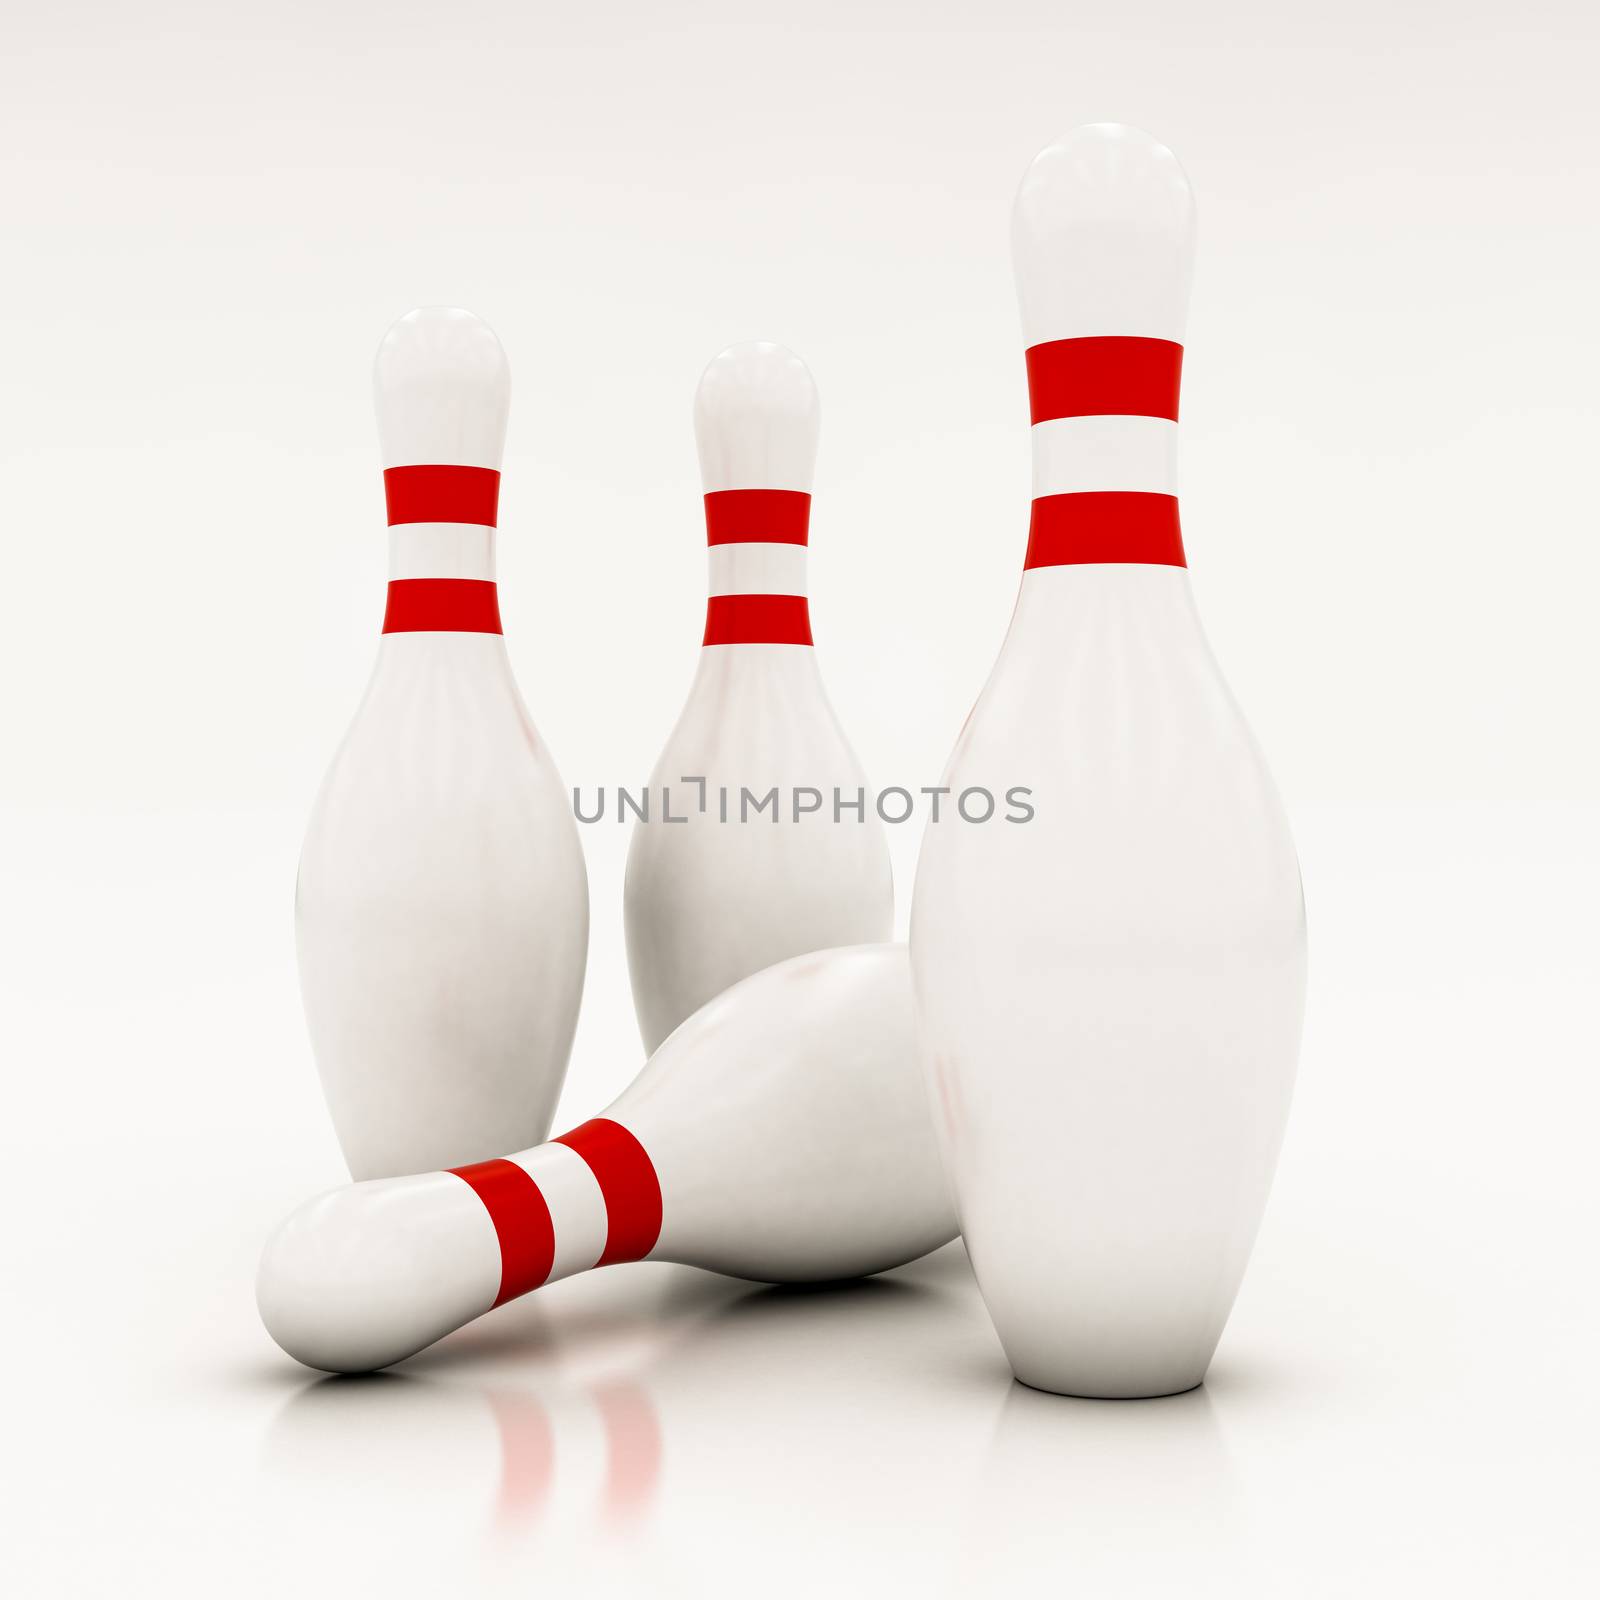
<point x="714" y="897"/>
<point x="442" y="914"/>
<point x="441" y="550"/>
<point x="756" y="569"/>
<point x="576" y="1204"/>
<point x="788" y="1129"/>
<point x="366" y="1274"/>
<point x="1075" y="454"/>
<point x="441" y="908"/>
<point x="756" y="418"/>
<point x="1110" y="994"/>
<point x="1102" y="238"/>
<point x="441" y="385"/>
<point x="709" y="901"/>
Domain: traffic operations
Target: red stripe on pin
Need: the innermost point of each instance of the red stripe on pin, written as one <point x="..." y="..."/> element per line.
<point x="1110" y="526"/>
<point x="1104" y="377"/>
<point x="521" y="1221"/>
<point x="442" y="605"/>
<point x="758" y="619"/>
<point x="757" y="516"/>
<point x="442" y="494"/>
<point x="627" y="1178"/>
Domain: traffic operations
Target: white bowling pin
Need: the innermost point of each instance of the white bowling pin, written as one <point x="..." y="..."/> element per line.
<point x="442" y="910"/>
<point x="1109" y="994"/>
<point x="781" y="1134"/>
<point x="733" y="888"/>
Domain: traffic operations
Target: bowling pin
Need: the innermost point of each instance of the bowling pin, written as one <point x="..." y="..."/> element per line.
<point x="782" y="1133"/>
<point x="1109" y="994"/>
<point x="726" y="889"/>
<point x="442" y="910"/>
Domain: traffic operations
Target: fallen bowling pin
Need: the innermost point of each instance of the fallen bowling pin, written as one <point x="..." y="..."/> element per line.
<point x="781" y="1134"/>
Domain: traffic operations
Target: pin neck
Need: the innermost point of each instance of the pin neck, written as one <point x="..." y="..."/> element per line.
<point x="757" y="567"/>
<point x="1105" y="414"/>
<point x="586" y="1199"/>
<point x="441" y="549"/>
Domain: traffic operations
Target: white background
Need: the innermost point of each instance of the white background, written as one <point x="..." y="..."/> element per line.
<point x="208" y="216"/>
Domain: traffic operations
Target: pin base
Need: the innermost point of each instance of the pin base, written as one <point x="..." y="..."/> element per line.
<point x="1087" y="1392"/>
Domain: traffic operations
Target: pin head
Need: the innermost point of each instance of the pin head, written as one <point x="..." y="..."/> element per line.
<point x="1102" y="238"/>
<point x="442" y="387"/>
<point x="756" y="415"/>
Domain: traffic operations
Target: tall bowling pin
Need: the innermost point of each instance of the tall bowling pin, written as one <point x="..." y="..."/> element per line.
<point x="1109" y="995"/>
<point x="781" y="1134"/>
<point x="743" y="883"/>
<point x="442" y="910"/>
